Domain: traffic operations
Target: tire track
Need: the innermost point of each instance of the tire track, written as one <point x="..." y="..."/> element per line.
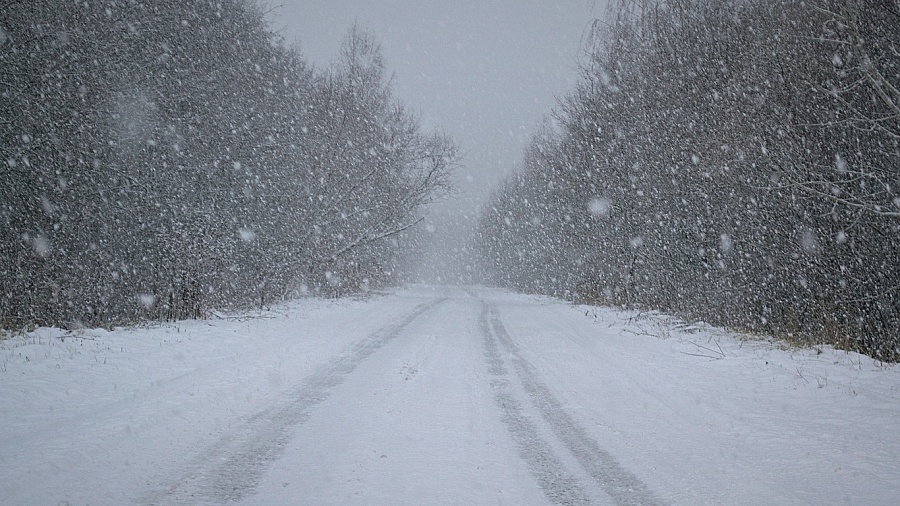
<point x="231" y="468"/>
<point x="558" y="484"/>
<point x="624" y="487"/>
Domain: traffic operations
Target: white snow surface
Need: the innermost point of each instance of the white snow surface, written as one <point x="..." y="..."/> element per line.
<point x="441" y="395"/>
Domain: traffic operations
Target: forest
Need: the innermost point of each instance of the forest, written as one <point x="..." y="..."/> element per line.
<point x="163" y="158"/>
<point x="731" y="161"/>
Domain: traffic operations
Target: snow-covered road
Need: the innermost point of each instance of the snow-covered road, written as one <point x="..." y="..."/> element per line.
<point x="441" y="395"/>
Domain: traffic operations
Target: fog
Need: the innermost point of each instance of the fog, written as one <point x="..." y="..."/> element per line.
<point x="485" y="72"/>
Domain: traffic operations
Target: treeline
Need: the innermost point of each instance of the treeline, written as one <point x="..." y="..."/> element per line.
<point x="160" y="158"/>
<point x="734" y="161"/>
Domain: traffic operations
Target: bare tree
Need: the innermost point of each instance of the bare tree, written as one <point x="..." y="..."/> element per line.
<point x="865" y="84"/>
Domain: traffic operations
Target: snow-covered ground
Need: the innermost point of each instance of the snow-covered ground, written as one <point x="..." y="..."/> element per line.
<point x="441" y="395"/>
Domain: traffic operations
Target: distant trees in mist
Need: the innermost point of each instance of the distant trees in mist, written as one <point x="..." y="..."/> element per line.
<point x="728" y="160"/>
<point x="158" y="158"/>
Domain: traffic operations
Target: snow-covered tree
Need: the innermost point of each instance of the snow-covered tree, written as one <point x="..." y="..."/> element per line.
<point x="162" y="157"/>
<point x="727" y="160"/>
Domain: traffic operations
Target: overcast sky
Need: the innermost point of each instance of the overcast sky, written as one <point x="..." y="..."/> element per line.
<point x="484" y="71"/>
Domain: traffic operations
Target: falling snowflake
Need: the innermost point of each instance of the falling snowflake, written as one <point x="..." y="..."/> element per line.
<point x="146" y="299"/>
<point x="809" y="241"/>
<point x="246" y="234"/>
<point x="725" y="243"/>
<point x="41" y="246"/>
<point x="599" y="207"/>
<point x="840" y="164"/>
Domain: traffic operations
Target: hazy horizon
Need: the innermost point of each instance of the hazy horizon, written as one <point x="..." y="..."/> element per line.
<point x="485" y="72"/>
